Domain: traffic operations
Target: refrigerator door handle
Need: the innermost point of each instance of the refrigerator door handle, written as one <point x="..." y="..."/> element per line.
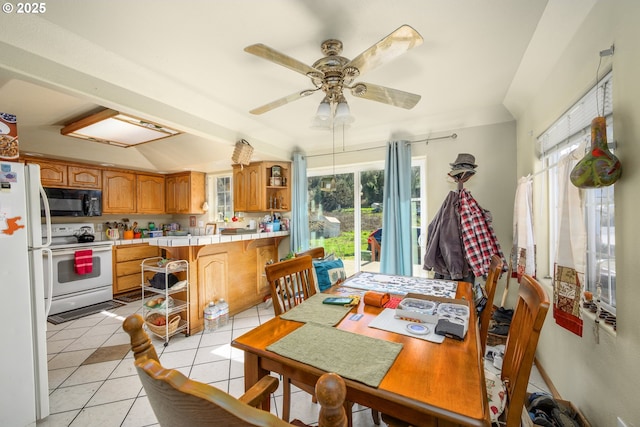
<point x="47" y="216"/>
<point x="48" y="286"/>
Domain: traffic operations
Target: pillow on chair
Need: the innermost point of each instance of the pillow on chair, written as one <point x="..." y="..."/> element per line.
<point x="496" y="394"/>
<point x="328" y="273"/>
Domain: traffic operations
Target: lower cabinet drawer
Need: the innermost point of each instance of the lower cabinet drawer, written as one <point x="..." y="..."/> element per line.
<point x="127" y="283"/>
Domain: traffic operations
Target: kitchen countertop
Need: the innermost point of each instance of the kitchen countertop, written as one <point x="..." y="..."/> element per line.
<point x="174" y="241"/>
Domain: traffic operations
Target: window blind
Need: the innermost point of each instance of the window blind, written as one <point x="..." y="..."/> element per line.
<point x="576" y="122"/>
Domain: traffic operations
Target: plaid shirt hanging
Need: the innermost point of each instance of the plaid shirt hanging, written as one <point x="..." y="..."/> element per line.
<point x="478" y="238"/>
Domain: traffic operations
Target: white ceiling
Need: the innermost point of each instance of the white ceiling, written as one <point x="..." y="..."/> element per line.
<point x="181" y="62"/>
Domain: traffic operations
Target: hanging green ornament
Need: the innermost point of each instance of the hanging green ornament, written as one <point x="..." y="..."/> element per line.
<point x="599" y="167"/>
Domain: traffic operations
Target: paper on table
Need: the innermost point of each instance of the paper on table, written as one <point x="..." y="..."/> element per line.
<point x="387" y="322"/>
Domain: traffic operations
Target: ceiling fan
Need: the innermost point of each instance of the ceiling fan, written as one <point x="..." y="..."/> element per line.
<point x="334" y="73"/>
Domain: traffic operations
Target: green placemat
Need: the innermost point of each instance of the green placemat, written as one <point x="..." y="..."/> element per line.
<point x="350" y="355"/>
<point x="312" y="310"/>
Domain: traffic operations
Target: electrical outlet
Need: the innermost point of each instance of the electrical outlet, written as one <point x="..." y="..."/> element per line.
<point x="200" y="223"/>
<point x="621" y="423"/>
<point x="99" y="227"/>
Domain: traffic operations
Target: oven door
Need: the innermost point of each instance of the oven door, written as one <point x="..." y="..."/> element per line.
<point x="72" y="290"/>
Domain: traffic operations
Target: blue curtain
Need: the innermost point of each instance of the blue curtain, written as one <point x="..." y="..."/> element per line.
<point x="299" y="233"/>
<point x="395" y="255"/>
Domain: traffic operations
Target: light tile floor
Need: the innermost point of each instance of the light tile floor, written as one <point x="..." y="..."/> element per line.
<point x="110" y="393"/>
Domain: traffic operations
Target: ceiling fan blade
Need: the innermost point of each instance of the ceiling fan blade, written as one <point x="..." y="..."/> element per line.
<point x="280" y="102"/>
<point x="390" y="47"/>
<point x="280" y="58"/>
<point x="395" y="97"/>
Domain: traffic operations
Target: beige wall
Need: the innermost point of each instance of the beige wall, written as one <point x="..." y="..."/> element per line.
<point x="600" y="378"/>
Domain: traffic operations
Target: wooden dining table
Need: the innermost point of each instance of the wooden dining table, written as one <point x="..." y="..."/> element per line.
<point x="428" y="384"/>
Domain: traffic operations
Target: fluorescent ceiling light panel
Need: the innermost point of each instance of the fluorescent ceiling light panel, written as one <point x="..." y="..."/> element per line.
<point x="112" y="127"/>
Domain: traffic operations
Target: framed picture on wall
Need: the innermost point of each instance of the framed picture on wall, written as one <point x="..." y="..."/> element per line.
<point x="210" y="229"/>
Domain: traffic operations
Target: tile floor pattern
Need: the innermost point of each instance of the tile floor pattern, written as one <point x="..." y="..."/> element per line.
<point x="110" y="393"/>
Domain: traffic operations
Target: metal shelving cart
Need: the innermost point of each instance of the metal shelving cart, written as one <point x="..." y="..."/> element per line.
<point x="167" y="306"/>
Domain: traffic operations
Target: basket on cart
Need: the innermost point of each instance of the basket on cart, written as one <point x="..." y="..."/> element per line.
<point x="161" y="331"/>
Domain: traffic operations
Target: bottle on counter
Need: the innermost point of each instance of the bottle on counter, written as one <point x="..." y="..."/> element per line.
<point x="211" y="317"/>
<point x="224" y="312"/>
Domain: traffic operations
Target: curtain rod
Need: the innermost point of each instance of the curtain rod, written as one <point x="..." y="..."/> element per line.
<point x="426" y="140"/>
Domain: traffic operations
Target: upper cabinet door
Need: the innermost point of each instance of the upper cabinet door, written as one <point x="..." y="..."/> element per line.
<point x="118" y="192"/>
<point x="52" y="174"/>
<point x="185" y="193"/>
<point x="150" y="191"/>
<point x="255" y="190"/>
<point x="84" y="177"/>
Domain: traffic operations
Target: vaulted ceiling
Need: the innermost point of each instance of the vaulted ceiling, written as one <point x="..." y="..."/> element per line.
<point x="182" y="63"/>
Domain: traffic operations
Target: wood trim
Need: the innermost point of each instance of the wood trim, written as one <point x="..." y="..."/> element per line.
<point x="89" y="120"/>
<point x="547" y="380"/>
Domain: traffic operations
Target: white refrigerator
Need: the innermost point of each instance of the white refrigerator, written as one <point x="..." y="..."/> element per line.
<point x="24" y="385"/>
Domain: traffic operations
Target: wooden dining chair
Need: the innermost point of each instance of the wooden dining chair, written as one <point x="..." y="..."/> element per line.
<point x="495" y="269"/>
<point x="315" y="253"/>
<point x="178" y="401"/>
<point x="520" y="348"/>
<point x="291" y="282"/>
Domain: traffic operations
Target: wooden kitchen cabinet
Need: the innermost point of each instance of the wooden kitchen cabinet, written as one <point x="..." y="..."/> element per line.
<point x="83" y="177"/>
<point x="150" y="194"/>
<point x="62" y="175"/>
<point x="52" y="174"/>
<point x="233" y="271"/>
<point x="185" y="193"/>
<point x="255" y="191"/>
<point x="126" y="266"/>
<point x="246" y="184"/>
<point x="118" y="192"/>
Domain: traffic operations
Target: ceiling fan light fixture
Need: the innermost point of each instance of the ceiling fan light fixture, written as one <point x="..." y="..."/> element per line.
<point x="323" y="113"/>
<point x="115" y="128"/>
<point x="343" y="113"/>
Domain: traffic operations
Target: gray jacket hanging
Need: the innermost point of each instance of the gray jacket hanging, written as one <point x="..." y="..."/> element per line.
<point x="444" y="253"/>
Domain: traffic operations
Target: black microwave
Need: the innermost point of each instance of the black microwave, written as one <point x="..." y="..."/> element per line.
<point x="73" y="202"/>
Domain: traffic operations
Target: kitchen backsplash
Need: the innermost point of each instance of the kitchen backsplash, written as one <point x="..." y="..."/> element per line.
<point x="185" y="222"/>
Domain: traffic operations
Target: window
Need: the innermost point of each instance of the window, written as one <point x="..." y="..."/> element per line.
<point x="565" y="135"/>
<point x="220" y="197"/>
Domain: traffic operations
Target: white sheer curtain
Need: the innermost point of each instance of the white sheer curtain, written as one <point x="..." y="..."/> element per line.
<point x="570" y="262"/>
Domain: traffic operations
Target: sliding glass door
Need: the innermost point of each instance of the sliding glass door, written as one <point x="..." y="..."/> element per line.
<point x="345" y="215"/>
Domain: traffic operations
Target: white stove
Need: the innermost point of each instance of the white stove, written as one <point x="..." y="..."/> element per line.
<point x="72" y="287"/>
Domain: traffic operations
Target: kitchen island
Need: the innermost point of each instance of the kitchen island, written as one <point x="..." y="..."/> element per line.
<point x="229" y="267"/>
